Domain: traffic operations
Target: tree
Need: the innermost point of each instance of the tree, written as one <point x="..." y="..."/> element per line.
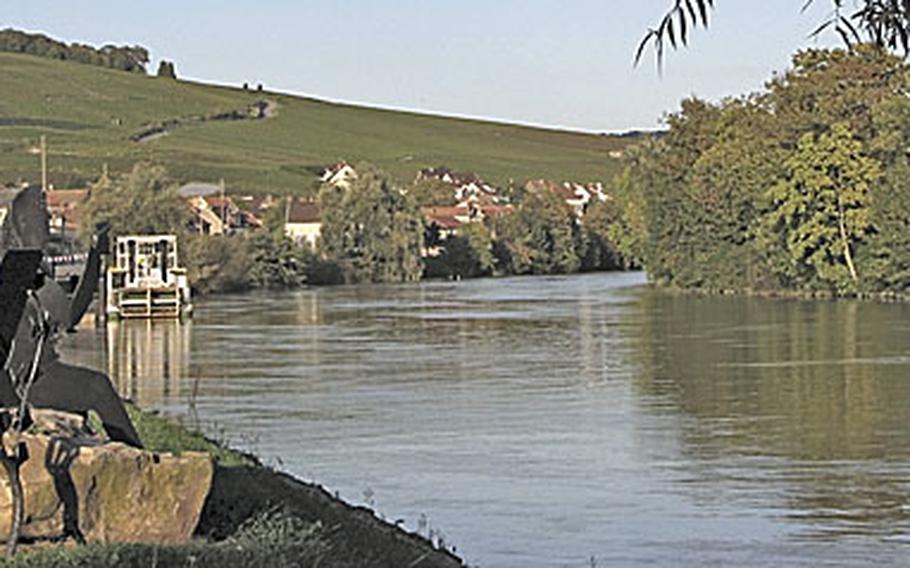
<point x="821" y="207"/>
<point x="540" y="237"/>
<point x="827" y="86"/>
<point x="470" y="253"/>
<point x="166" y="69"/>
<point x="371" y="230"/>
<point x="127" y="58"/>
<point x="220" y="263"/>
<point x="628" y="233"/>
<point x="601" y="225"/>
<point x="884" y="23"/>
<point x="660" y="173"/>
<point x="141" y="201"/>
<point x="432" y="192"/>
<point x="277" y="261"/>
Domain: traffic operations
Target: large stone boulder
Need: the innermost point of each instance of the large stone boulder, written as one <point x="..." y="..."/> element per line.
<point x="80" y="486"/>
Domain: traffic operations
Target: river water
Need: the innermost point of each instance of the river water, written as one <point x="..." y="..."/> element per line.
<point x="568" y="421"/>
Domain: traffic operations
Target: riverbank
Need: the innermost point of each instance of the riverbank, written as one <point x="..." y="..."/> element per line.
<point x="253" y="516"/>
<point x="884" y="297"/>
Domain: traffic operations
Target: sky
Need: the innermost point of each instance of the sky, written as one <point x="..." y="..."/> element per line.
<point x="556" y="63"/>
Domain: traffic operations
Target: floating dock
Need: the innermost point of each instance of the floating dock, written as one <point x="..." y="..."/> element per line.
<point x="145" y="279"/>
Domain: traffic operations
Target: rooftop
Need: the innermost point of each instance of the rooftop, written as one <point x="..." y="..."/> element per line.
<point x="303" y="211"/>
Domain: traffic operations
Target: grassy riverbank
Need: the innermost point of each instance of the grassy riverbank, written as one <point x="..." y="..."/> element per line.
<point x="254" y="516"/>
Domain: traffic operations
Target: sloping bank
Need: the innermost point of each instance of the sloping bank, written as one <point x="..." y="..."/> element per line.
<point x="254" y="516"/>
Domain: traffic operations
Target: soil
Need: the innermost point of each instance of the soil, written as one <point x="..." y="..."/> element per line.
<point x="357" y="538"/>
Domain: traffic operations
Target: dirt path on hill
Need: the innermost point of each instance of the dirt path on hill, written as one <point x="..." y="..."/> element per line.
<point x="262" y="109"/>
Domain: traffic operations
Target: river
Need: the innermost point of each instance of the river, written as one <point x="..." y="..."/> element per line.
<point x="571" y="421"/>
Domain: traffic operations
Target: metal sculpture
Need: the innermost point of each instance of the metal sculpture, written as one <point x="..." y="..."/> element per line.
<point x="35" y="311"/>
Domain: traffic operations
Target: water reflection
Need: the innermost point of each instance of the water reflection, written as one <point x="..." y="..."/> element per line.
<point x="804" y="403"/>
<point x="148" y="360"/>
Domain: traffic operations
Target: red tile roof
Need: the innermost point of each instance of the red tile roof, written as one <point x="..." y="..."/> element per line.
<point x="65" y="197"/>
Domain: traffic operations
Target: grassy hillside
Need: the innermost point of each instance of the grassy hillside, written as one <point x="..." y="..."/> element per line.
<point x="89" y="114"/>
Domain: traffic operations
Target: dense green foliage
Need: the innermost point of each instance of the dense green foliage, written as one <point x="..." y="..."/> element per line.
<point x="431" y="193"/>
<point x="371" y="230"/>
<point x="125" y="58"/>
<point x="217" y="263"/>
<point x="802" y="187"/>
<point x="601" y="230"/>
<point x="469" y="254"/>
<point x="277" y="262"/>
<point x="819" y="210"/>
<point x="541" y="237"/>
<point x="141" y="201"/>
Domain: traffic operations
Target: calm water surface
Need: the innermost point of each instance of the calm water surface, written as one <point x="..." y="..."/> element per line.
<point x="570" y="421"/>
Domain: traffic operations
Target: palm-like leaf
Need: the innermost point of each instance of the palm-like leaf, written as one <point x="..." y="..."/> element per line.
<point x="885" y="23"/>
<point x="675" y="26"/>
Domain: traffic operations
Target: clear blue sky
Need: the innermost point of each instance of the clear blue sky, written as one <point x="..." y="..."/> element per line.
<point x="564" y="63"/>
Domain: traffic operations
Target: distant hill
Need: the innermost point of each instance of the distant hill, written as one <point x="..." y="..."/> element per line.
<point x="94" y="116"/>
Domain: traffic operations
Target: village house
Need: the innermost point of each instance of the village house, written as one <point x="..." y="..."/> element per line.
<point x="467" y="187"/>
<point x="255" y="206"/>
<point x="448" y="219"/>
<point x="199" y="189"/>
<point x="219" y="215"/>
<point x="339" y="174"/>
<point x="64" y="207"/>
<point x="303" y="221"/>
<point x="576" y="195"/>
<point x="444" y="222"/>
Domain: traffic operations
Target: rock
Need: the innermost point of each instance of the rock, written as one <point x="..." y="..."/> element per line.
<point x="58" y="423"/>
<point x="107" y="492"/>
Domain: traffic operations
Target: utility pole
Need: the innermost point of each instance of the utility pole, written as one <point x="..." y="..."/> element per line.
<point x="44" y="162"/>
<point x="223" y="210"/>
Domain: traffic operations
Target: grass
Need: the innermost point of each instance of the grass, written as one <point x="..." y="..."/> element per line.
<point x="89" y="113"/>
<point x="165" y="435"/>
<point x="269" y="540"/>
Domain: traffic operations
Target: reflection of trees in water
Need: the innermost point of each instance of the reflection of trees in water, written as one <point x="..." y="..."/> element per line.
<point x="807" y="400"/>
<point x="148" y="360"/>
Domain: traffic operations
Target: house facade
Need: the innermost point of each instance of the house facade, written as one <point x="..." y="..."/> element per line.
<point x="64" y="207"/>
<point x="466" y="187"/>
<point x="220" y="215"/>
<point x="576" y="195"/>
<point x="303" y="221"/>
<point x="340" y="174"/>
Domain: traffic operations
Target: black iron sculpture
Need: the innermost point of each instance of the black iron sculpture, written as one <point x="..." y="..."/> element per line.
<point x="35" y="311"/>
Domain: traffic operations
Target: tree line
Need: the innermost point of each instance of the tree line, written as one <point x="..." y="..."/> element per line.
<point x="802" y="187"/>
<point x="372" y="232"/>
<point x="132" y="58"/>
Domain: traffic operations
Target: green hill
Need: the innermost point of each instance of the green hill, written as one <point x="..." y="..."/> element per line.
<point x="90" y="115"/>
